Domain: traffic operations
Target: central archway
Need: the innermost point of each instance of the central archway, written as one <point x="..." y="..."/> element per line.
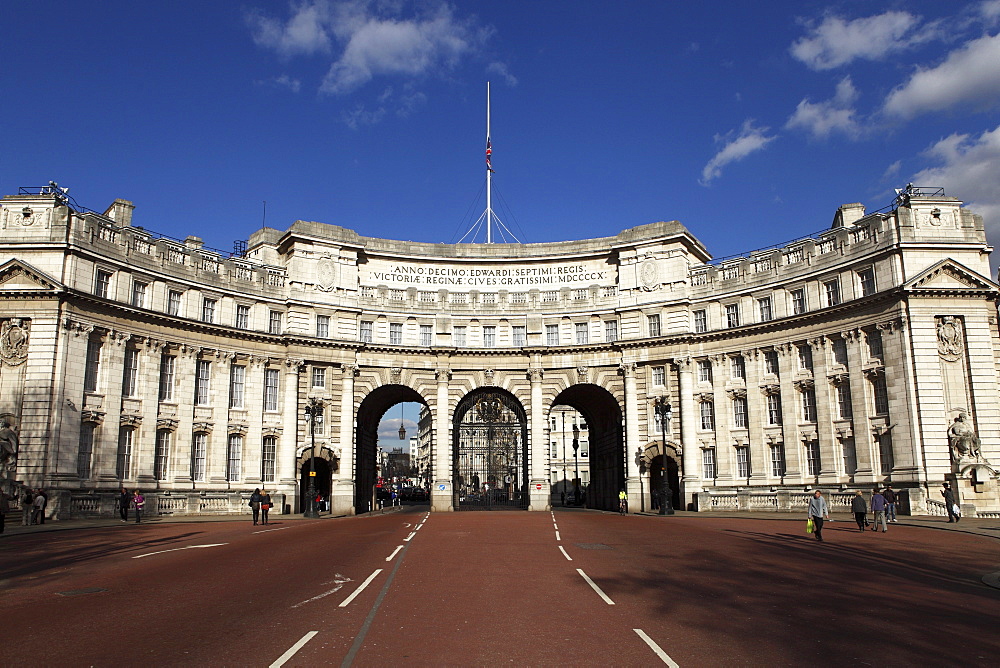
<point x="491" y="457"/>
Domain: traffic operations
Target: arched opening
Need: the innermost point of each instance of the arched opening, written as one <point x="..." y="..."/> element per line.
<point x="385" y="459"/>
<point x="656" y="473"/>
<point x="322" y="479"/>
<point x="603" y="460"/>
<point x="491" y="456"/>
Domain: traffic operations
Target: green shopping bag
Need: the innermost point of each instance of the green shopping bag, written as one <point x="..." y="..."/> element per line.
<point x="810" y="527"/>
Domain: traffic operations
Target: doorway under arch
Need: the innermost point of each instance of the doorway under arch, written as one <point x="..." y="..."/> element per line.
<point x="491" y="454"/>
<point x="656" y="481"/>
<point x="323" y="479"/>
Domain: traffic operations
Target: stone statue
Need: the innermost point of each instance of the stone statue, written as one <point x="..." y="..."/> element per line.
<point x="963" y="439"/>
<point x="8" y="449"/>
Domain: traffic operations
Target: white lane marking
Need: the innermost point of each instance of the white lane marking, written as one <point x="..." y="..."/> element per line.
<point x="189" y="547"/>
<point x="266" y="530"/>
<point x="557" y="536"/>
<point x="568" y="558"/>
<point x="595" y="587"/>
<point x="412" y="534"/>
<point x="556" y="526"/>
<point x="360" y="589"/>
<point x="656" y="648"/>
<point x="338" y="579"/>
<point x="394" y="553"/>
<point x="417" y="528"/>
<point x="293" y="649"/>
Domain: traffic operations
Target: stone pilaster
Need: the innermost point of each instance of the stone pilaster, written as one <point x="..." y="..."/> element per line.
<point x="690" y="475"/>
<point x="442" y="498"/>
<point x="342" y="496"/>
<point x="539" y="493"/>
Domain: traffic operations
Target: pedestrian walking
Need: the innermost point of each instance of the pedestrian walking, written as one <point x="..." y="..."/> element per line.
<point x="37" y="508"/>
<point x="124" y="501"/>
<point x="949" y="502"/>
<point x="45" y="504"/>
<point x="265" y="505"/>
<point x="878" y="510"/>
<point x="255" y="505"/>
<point x="818" y="511"/>
<point x="4" y="508"/>
<point x="27" y="506"/>
<point x="860" y="509"/>
<point x="138" y="503"/>
<point x="890" y="503"/>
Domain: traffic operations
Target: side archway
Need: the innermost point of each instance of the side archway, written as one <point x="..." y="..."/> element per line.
<point x="655" y="462"/>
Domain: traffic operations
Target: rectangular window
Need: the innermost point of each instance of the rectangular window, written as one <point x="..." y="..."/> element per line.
<point x="552" y="335"/>
<point x="396" y="333"/>
<point x="268" y="458"/>
<point x="880" y="394"/>
<point x="319" y="376"/>
<point x="805" y="357"/>
<point x="162" y="454"/>
<point x="777" y="460"/>
<point x="274" y="322"/>
<point x="654" y="324"/>
<point x="885" y="453"/>
<point x="167" y="363"/>
<point x="742" y="461"/>
<point x="489" y="336"/>
<point x="732" y="315"/>
<point x="270" y="389"/>
<point x="798" y="301"/>
<point x="610" y="331"/>
<point x="237" y="385"/>
<point x="739" y="412"/>
<point x="427" y="335"/>
<point x="458" y="334"/>
<point x="844" y="408"/>
<point x="199" y="453"/>
<point x="102" y="283"/>
<point x="520" y="336"/>
<point x="242" y="316"/>
<point x="700" y="321"/>
<point x="850" y="455"/>
<point x="234" y="458"/>
<point x="764" y="306"/>
<point x="126" y="440"/>
<point x="93" y="365"/>
<point x="704" y="371"/>
<point x="130" y="377"/>
<point x="582" y="333"/>
<point x="771" y="362"/>
<point x="774" y="409"/>
<point x="85" y="456"/>
<point x="202" y="382"/>
<point x="707" y="411"/>
<point x="208" y="309"/>
<point x="840" y="352"/>
<point x="366" y="331"/>
<point x="812" y="457"/>
<point x="323" y="326"/>
<point x="831" y="291"/>
<point x="866" y="279"/>
<point x="708" y="463"/>
<point x="875" y="350"/>
<point x="659" y="375"/>
<point x="174" y="302"/>
<point x="809" y="405"/>
<point x="738" y="367"/>
<point x="139" y="289"/>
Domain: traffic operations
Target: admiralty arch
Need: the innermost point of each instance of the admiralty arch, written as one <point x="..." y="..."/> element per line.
<point x="836" y="362"/>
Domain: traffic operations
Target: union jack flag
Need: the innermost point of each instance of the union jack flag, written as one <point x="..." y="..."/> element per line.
<point x="489" y="153"/>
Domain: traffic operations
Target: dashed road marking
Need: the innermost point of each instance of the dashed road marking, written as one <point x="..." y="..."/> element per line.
<point x="188" y="547"/>
<point x="394" y="553"/>
<point x="595" y="587"/>
<point x="656" y="648"/>
<point x="293" y="649"/>
<point x="412" y="534"/>
<point x="557" y="536"/>
<point x="360" y="589"/>
<point x="568" y="558"/>
<point x="266" y="530"/>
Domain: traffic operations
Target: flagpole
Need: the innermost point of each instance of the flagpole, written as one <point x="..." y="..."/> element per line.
<point x="489" y="174"/>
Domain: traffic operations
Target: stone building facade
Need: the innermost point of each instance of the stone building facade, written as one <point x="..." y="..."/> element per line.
<point x="836" y="361"/>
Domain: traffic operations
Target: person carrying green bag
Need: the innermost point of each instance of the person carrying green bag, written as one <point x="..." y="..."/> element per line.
<point x="817" y="512"/>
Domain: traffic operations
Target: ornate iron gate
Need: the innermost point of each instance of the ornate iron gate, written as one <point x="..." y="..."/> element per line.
<point x="491" y="463"/>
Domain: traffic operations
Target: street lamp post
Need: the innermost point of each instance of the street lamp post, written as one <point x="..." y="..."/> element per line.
<point x="576" y="464"/>
<point x="665" y="412"/>
<point x="313" y="411"/>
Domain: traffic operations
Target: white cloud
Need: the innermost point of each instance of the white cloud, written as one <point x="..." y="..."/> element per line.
<point x="989" y="11"/>
<point x="502" y="71"/>
<point x="892" y="171"/>
<point x="834" y="115"/>
<point x="834" y="41"/>
<point x="969" y="76"/>
<point x="361" y="115"/>
<point x="968" y="169"/>
<point x="284" y="81"/>
<point x="304" y="33"/>
<point x="737" y="145"/>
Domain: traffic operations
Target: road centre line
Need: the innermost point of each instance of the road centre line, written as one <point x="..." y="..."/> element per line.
<point x="557" y="536"/>
<point x="595" y="587"/>
<point x="656" y="648"/>
<point x="188" y="547"/>
<point x="568" y="558"/>
<point x="278" y="529"/>
<point x="394" y="553"/>
<point x="412" y="534"/>
<point x="360" y="589"/>
<point x="293" y="649"/>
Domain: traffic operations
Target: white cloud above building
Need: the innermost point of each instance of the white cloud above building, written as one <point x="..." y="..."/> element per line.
<point x="736" y="145"/>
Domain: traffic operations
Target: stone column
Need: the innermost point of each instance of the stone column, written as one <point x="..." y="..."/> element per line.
<point x="342" y="496"/>
<point x="539" y="493"/>
<point x="825" y="400"/>
<point x="181" y="407"/>
<point x="690" y="475"/>
<point x="288" y="446"/>
<point x="441" y="492"/>
<point x="861" y="421"/>
<point x="790" y="414"/>
<point x="110" y="384"/>
<point x="218" y="451"/>
<point x="147" y="395"/>
<point x="633" y="483"/>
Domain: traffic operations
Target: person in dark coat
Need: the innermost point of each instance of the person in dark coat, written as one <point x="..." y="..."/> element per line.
<point x="27" y="506"/>
<point x="890" y="503"/>
<point x="124" y="501"/>
<point x="255" y="505"/>
<point x="860" y="509"/>
<point x="265" y="505"/>
<point x="878" y="510"/>
<point x="949" y="502"/>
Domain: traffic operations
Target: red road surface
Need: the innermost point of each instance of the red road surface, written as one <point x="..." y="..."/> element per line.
<point x="485" y="588"/>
